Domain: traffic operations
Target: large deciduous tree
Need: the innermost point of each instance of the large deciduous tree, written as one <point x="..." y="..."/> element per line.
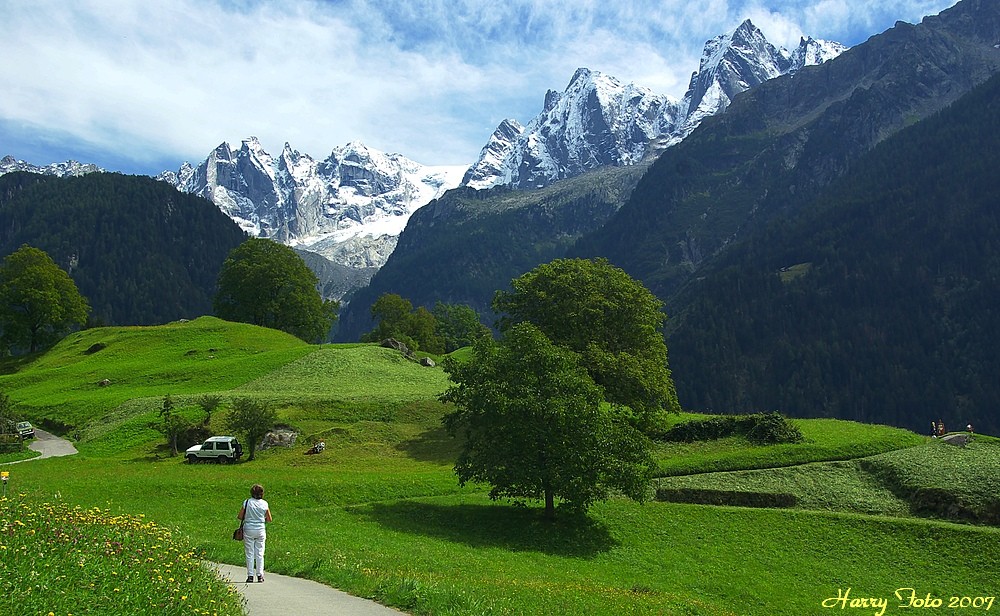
<point x="611" y="320"/>
<point x="265" y="283"/>
<point x="535" y="425"/>
<point x="39" y="302"/>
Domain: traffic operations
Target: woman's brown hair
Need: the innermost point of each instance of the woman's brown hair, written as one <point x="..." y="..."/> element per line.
<point x="257" y="491"/>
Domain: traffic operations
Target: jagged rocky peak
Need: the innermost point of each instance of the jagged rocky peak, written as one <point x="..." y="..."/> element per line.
<point x="811" y="52"/>
<point x="490" y="164"/>
<point x="70" y="168"/>
<point x="223" y="152"/>
<point x="599" y="121"/>
<point x="356" y="191"/>
<point x="730" y="64"/>
<point x="294" y="162"/>
<point x="595" y="121"/>
<point x="552" y="97"/>
<point x="368" y="171"/>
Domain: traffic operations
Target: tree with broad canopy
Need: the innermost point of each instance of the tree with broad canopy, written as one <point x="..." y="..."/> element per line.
<point x="39" y="302"/>
<point x="266" y="283"/>
<point x="252" y="419"/>
<point x="611" y="320"/>
<point x="535" y="425"/>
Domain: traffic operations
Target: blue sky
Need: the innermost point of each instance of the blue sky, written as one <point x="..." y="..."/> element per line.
<point x="142" y="86"/>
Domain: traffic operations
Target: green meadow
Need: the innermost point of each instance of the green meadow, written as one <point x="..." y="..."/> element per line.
<point x="380" y="514"/>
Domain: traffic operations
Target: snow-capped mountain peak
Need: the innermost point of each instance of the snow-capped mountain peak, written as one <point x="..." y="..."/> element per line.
<point x="595" y="121"/>
<point x="730" y="64"/>
<point x="599" y="121"/>
<point x="814" y="51"/>
<point x="490" y="165"/>
<point x="70" y="168"/>
<point x="349" y="207"/>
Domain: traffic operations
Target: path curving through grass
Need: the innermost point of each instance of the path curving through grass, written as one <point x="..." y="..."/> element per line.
<point x="279" y="595"/>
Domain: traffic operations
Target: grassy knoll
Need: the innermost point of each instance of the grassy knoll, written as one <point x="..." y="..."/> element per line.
<point x="380" y="514"/>
<point x="62" y="387"/>
<point x="942" y="480"/>
<point x="320" y="393"/>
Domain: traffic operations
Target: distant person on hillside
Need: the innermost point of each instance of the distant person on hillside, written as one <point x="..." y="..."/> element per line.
<point x="941" y="430"/>
<point x="933" y="429"/>
<point x="255" y="513"/>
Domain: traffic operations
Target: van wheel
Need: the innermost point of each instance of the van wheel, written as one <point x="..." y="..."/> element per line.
<point x="222" y="460"/>
<point x="192" y="459"/>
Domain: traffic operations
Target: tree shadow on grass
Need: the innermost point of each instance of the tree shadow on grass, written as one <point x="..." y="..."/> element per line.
<point x="518" y="529"/>
<point x="432" y="445"/>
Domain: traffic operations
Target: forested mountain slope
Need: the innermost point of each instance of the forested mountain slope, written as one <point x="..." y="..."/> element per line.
<point x="774" y="149"/>
<point x="877" y="302"/>
<point x="464" y="246"/>
<point x="780" y="143"/>
<point x="139" y="251"/>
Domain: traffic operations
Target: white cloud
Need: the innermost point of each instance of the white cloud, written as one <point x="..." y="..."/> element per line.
<point x="427" y="78"/>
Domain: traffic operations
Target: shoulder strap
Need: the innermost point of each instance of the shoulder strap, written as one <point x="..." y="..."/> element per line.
<point x="243" y="521"/>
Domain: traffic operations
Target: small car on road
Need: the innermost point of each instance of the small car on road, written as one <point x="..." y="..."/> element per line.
<point x="26" y="430"/>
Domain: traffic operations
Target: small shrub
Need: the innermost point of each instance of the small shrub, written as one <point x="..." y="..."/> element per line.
<point x="771" y="429"/>
<point x="53" y="425"/>
<point x="192" y="435"/>
<point x="11" y="443"/>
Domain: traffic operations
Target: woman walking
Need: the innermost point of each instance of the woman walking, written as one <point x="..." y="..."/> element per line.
<point x="255" y="513"/>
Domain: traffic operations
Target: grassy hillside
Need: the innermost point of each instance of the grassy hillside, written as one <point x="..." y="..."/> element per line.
<point x="380" y="513"/>
<point x="62" y="388"/>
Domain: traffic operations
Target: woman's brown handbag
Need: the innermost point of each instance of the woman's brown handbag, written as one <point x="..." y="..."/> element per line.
<point x="238" y="533"/>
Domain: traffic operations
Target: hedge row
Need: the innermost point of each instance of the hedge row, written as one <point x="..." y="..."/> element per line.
<point x="759" y="428"/>
<point x="725" y="497"/>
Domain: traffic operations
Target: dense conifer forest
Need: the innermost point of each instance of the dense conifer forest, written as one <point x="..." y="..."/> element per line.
<point x="141" y="252"/>
<point x="875" y="302"/>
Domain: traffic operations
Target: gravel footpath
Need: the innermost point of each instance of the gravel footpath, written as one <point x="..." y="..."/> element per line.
<point x="281" y="595"/>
